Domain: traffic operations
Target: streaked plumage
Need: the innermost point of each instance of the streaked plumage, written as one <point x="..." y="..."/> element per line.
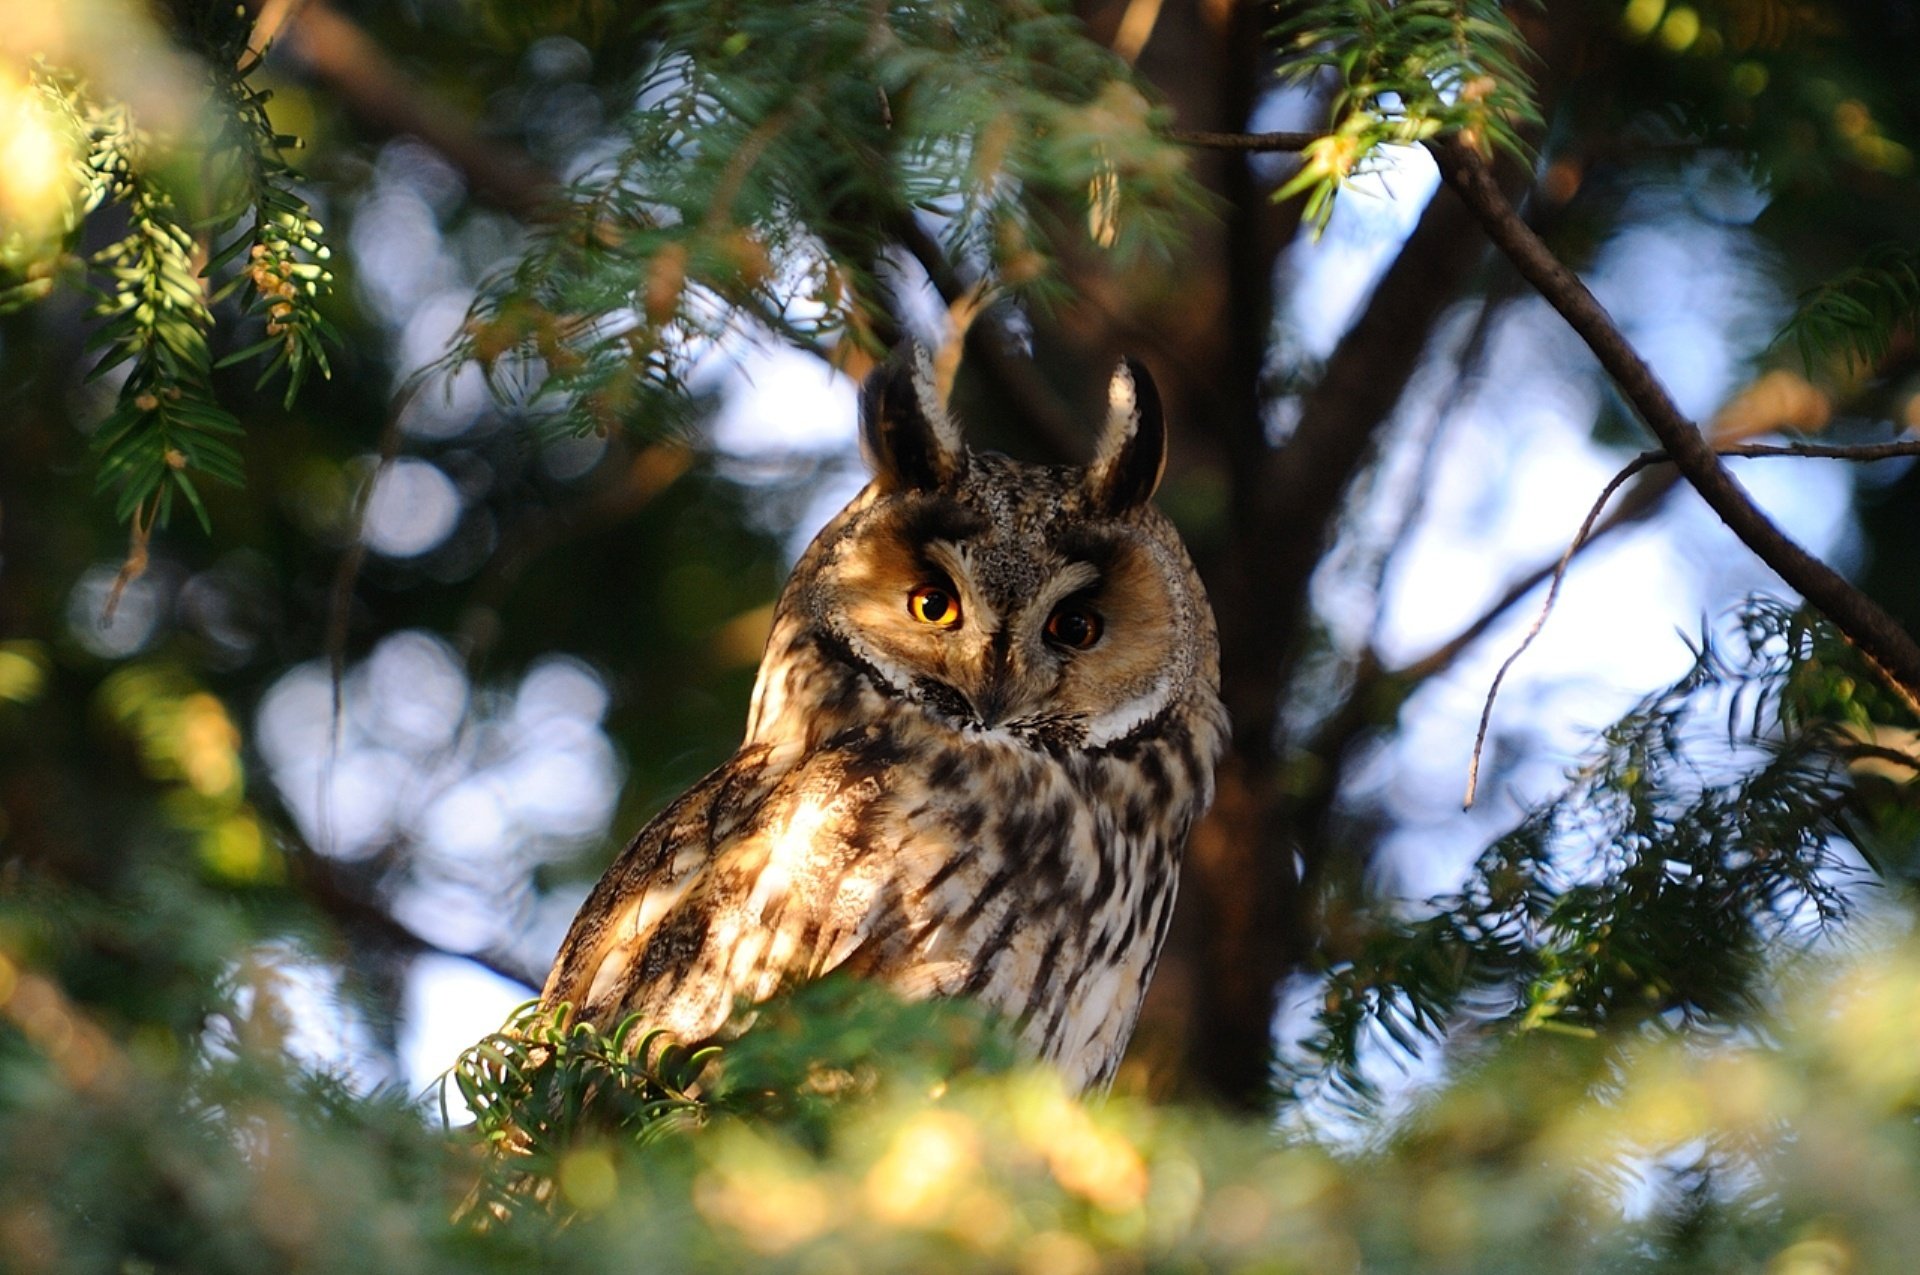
<point x="945" y="784"/>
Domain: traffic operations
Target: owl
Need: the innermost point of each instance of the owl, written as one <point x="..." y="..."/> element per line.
<point x="987" y="716"/>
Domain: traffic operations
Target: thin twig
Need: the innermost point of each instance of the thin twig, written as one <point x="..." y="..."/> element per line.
<point x="1863" y="452"/>
<point x="1635" y="505"/>
<point x="139" y="537"/>
<point x="1242" y="141"/>
<point x="1813" y="451"/>
<point x="1864" y="623"/>
<point x="1877" y="635"/>
<point x="1633" y="467"/>
<point x="340" y="599"/>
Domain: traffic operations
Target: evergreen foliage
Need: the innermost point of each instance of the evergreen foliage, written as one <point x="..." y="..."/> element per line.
<point x="153" y="310"/>
<point x="1711" y="830"/>
<point x="1791" y="1150"/>
<point x="1668" y="887"/>
<point x="1665" y="1023"/>
<point x="1860" y="312"/>
<point x="775" y="153"/>
<point x="1405" y="72"/>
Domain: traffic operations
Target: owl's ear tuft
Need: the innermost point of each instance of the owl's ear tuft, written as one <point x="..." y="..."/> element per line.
<point x="909" y="440"/>
<point x="1133" y="448"/>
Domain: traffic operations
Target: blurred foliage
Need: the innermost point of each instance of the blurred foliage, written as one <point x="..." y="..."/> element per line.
<point x="775" y="150"/>
<point x="1405" y="71"/>
<point x="1632" y="1043"/>
<point x="187" y="741"/>
<point x="84" y="153"/>
<point x="1548" y="1153"/>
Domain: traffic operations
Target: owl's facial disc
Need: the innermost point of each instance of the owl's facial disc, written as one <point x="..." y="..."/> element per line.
<point x="1032" y="621"/>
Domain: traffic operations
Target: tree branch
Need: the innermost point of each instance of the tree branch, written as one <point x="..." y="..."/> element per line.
<point x="1811" y="451"/>
<point x="326" y="888"/>
<point x="1887" y="646"/>
<point x="338" y="53"/>
<point x="1859" y="453"/>
<point x="1863" y="622"/>
<point x="1247" y="142"/>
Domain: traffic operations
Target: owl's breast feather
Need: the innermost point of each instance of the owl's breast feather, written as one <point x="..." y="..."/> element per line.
<point x="937" y="862"/>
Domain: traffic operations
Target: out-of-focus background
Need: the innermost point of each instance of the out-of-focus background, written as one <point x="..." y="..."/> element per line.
<point x="482" y="606"/>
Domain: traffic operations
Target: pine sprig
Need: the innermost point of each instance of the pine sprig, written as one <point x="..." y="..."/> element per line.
<point x="46" y="111"/>
<point x="285" y="271"/>
<point x="167" y="432"/>
<point x="1657" y="885"/>
<point x="1857" y="314"/>
<point x="166" y="425"/>
<point x="535" y="1082"/>
<point x="543" y="1082"/>
<point x="1405" y="72"/>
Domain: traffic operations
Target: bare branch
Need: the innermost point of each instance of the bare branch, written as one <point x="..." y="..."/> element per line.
<point x="1860" y="453"/>
<point x="338" y="53"/>
<point x="1242" y="141"/>
<point x="1812" y="451"/>
<point x="1862" y="620"/>
<point x="1633" y="467"/>
<point x="1635" y="505"/>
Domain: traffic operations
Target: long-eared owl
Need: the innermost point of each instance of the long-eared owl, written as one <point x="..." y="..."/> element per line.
<point x="987" y="717"/>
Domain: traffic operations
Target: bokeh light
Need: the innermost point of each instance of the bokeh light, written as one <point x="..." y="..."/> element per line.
<point x="136" y="617"/>
<point x="412" y="508"/>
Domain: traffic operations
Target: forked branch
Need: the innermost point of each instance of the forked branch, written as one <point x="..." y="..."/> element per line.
<point x="1863" y="452"/>
<point x="1877" y="635"/>
<point x="1862" y="620"/>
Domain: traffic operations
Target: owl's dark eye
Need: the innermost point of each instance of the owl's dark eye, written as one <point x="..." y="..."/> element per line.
<point x="932" y="604"/>
<point x="1074" y="625"/>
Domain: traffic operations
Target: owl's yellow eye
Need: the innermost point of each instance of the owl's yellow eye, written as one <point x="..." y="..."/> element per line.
<point x="1075" y="625"/>
<point x="931" y="604"/>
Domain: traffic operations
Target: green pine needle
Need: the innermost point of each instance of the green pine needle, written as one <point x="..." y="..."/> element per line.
<point x="1857" y="314"/>
<point x="1404" y="73"/>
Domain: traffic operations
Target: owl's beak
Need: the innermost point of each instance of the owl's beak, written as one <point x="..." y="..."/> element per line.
<point x="990" y="705"/>
<point x="995" y="692"/>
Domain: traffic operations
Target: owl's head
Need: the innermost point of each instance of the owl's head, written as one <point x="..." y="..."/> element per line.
<point x="1051" y="603"/>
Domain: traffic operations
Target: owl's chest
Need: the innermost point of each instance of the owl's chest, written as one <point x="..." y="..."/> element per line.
<point x="975" y="825"/>
<point x="1039" y="884"/>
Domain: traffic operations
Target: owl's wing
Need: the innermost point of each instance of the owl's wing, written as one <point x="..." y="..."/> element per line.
<point x="740" y="885"/>
<point x="598" y="969"/>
